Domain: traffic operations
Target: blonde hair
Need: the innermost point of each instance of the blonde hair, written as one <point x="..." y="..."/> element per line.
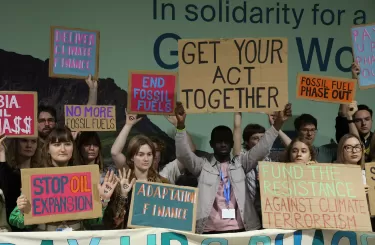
<point x="340" y="148"/>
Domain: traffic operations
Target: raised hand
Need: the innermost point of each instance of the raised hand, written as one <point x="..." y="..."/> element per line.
<point x="172" y="120"/>
<point x="2" y="138"/>
<point x="75" y="134"/>
<point x="351" y="109"/>
<point x="92" y="83"/>
<point x="284" y="114"/>
<point x="356" y="69"/>
<point x="23" y="204"/>
<point x="125" y="185"/>
<point x="131" y="119"/>
<point x="180" y="115"/>
<point x="271" y="118"/>
<point x="108" y="186"/>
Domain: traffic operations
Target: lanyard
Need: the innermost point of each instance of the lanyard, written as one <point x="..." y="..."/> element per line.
<point x="226" y="189"/>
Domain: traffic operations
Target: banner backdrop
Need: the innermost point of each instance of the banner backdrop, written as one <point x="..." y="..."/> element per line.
<point x="156" y="236"/>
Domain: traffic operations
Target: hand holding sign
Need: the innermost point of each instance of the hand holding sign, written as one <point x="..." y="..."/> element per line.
<point x="172" y="120"/>
<point x="2" y="147"/>
<point x="124" y="182"/>
<point x="131" y="119"/>
<point x="351" y="109"/>
<point x="23" y="204"/>
<point x="356" y="69"/>
<point x="109" y="184"/>
<point x="92" y="83"/>
<point x="282" y="116"/>
<point x="180" y="115"/>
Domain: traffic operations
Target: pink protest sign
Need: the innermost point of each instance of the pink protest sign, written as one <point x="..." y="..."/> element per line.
<point x="63" y="193"/>
<point x="152" y="92"/>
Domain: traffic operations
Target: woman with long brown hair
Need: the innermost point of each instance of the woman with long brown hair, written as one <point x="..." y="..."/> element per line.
<point x="139" y="159"/>
<point x="89" y="149"/>
<point x="19" y="153"/>
<point x="58" y="151"/>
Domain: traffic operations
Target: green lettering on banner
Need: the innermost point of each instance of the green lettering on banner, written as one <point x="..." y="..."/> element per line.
<point x="167" y="237"/>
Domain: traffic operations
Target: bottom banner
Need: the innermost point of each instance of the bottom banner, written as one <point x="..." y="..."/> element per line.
<point x="155" y="236"/>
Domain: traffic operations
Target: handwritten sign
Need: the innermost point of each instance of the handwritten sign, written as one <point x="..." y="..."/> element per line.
<point x="152" y="92"/>
<point x="90" y="117"/>
<point x="370" y="181"/>
<point x="63" y="193"/>
<point x="228" y="75"/>
<point x="163" y="206"/>
<point x="317" y="196"/>
<point x="363" y="41"/>
<point x="326" y="89"/>
<point x="18" y="114"/>
<point x="74" y="53"/>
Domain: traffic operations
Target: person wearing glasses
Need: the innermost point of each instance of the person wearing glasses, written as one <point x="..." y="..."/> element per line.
<point x="307" y="127"/>
<point x="47" y="116"/>
<point x="357" y="117"/>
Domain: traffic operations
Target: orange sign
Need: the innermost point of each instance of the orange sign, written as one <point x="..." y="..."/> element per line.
<point x="326" y="89"/>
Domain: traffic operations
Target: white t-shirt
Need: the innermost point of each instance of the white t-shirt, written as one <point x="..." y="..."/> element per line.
<point x="171" y="171"/>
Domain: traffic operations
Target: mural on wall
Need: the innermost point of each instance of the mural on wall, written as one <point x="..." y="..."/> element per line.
<point x="26" y="73"/>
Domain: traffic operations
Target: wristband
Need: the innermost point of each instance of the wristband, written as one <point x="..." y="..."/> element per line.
<point x="350" y="121"/>
<point x="180" y="130"/>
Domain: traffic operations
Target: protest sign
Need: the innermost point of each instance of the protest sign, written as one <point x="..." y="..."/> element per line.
<point x="163" y="206"/>
<point x="363" y="41"/>
<point x="157" y="236"/>
<point x="326" y="89"/>
<point x="228" y="75"/>
<point x="370" y="181"/>
<point x="152" y="92"/>
<point x="316" y="196"/>
<point x="74" y="53"/>
<point x="61" y="193"/>
<point x="19" y="114"/>
<point x="90" y="117"/>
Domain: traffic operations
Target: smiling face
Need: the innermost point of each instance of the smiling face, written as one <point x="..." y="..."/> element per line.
<point x="300" y="153"/>
<point x="143" y="159"/>
<point x="352" y="151"/>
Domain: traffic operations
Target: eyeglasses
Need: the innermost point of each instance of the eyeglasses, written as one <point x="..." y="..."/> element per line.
<point x="354" y="149"/>
<point x="48" y="120"/>
<point x="306" y="130"/>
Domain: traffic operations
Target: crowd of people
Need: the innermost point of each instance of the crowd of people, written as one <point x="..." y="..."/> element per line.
<point x="229" y="195"/>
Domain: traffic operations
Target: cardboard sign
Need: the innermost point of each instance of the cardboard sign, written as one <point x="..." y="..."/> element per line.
<point x="152" y="92"/>
<point x="363" y="41"/>
<point x="61" y="193"/>
<point x="90" y="117"/>
<point x="317" y="196"/>
<point x="163" y="206"/>
<point x="228" y="75"/>
<point x="326" y="89"/>
<point x="18" y="114"/>
<point x="74" y="53"/>
<point x="370" y="181"/>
